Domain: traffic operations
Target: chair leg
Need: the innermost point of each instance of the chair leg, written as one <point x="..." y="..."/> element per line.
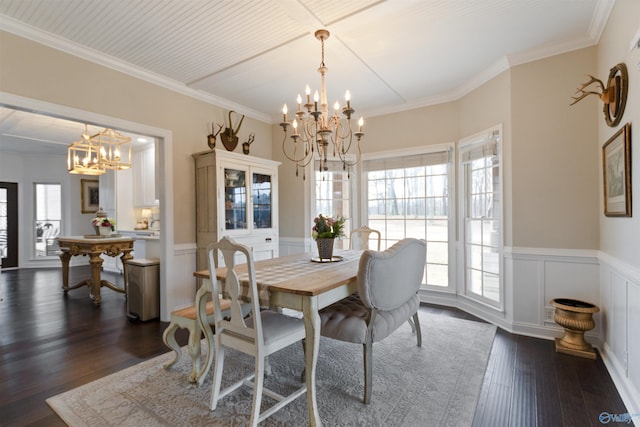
<point x="416" y="322"/>
<point x="267" y="366"/>
<point x="201" y="374"/>
<point x="368" y="374"/>
<point x="413" y="327"/>
<point x="217" y="376"/>
<point x="169" y="338"/>
<point x="258" y="382"/>
<point x="193" y="348"/>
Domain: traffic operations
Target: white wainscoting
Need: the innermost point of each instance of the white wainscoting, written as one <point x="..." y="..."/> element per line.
<point x="620" y="305"/>
<point x="181" y="287"/>
<point x="532" y="278"/>
<point x="540" y="275"/>
<point x="291" y="245"/>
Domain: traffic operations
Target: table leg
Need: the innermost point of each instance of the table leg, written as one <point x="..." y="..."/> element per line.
<point x="65" y="257"/>
<point x="96" y="268"/>
<point x="312" y="345"/>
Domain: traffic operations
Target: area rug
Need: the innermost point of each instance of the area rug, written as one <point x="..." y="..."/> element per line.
<point x="434" y="385"/>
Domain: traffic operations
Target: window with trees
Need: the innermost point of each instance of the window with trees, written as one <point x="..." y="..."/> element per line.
<point x="481" y="208"/>
<point x="411" y="196"/>
<point x="333" y="189"/>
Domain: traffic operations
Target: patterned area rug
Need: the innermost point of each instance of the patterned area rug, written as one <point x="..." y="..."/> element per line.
<point x="436" y="385"/>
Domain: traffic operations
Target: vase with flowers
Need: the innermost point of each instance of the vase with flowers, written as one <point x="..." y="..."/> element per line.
<point x="325" y="230"/>
<point x="103" y="225"/>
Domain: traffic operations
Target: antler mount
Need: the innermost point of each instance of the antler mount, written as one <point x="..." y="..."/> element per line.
<point x="613" y="94"/>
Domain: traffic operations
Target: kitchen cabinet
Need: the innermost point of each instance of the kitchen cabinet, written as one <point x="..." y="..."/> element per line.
<point x="144" y="177"/>
<point x="107" y="192"/>
<point x="146" y="243"/>
<point x="236" y="196"/>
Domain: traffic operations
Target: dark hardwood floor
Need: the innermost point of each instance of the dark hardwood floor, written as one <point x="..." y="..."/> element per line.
<point x="51" y="342"/>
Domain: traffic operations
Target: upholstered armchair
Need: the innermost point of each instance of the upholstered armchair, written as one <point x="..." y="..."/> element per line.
<point x="387" y="297"/>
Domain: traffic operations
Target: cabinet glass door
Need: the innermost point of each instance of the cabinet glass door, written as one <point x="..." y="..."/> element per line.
<point x="235" y="202"/>
<point x="261" y="198"/>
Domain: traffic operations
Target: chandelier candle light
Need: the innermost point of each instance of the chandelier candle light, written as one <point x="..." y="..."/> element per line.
<point x="314" y="128"/>
<point x="82" y="156"/>
<point x="115" y="149"/>
<point x="94" y="154"/>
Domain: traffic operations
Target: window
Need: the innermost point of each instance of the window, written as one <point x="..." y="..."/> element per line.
<point x="48" y="216"/>
<point x="410" y="196"/>
<point x="333" y="196"/>
<point x="482" y="217"/>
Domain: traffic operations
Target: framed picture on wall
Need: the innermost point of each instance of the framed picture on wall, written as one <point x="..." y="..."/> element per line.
<point x="90" y="195"/>
<point x="616" y="164"/>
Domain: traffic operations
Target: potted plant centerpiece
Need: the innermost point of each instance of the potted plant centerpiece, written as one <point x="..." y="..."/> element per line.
<point x="324" y="231"/>
<point x="104" y="225"/>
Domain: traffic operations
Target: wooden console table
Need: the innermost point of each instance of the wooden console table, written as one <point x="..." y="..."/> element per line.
<point x="94" y="247"/>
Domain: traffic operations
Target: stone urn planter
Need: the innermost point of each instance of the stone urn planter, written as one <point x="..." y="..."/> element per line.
<point x="576" y="317"/>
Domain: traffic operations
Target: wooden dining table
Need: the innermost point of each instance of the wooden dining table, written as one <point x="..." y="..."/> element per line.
<point x="298" y="283"/>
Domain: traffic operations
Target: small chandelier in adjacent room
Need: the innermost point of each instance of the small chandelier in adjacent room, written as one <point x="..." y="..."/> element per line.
<point x="314" y="128"/>
<point x="95" y="154"/>
<point x="83" y="156"/>
<point x="115" y="149"/>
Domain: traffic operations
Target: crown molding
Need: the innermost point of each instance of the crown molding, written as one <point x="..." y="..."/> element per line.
<point x="53" y="41"/>
<point x="599" y="20"/>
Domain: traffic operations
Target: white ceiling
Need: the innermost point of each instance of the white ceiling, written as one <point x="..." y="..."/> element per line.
<point x="254" y="55"/>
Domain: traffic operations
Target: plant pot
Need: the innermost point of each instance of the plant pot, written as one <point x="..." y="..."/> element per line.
<point x="576" y="317"/>
<point x="104" y="231"/>
<point x="325" y="249"/>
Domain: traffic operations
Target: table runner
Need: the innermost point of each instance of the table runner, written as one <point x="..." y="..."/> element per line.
<point x="272" y="274"/>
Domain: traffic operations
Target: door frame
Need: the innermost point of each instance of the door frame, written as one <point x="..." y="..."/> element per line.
<point x="11" y="261"/>
<point x="165" y="166"/>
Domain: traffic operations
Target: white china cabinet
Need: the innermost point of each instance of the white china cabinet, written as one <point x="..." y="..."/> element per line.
<point x="236" y="196"/>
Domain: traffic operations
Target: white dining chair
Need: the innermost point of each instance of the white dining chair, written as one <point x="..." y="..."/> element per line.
<point x="359" y="238"/>
<point x="260" y="334"/>
<point x="388" y="284"/>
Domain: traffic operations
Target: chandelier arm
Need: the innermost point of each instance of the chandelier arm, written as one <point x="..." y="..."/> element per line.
<point x="302" y="161"/>
<point x="343" y="154"/>
<point x="348" y="132"/>
<point x="343" y="157"/>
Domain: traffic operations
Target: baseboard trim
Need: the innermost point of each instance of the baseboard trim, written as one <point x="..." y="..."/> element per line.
<point x="628" y="393"/>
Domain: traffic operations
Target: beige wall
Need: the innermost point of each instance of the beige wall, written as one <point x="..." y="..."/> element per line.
<point x="620" y="237"/>
<point x="414" y="128"/>
<point x="550" y="174"/>
<point x="485" y="107"/>
<point x="35" y="71"/>
<point x="551" y="188"/>
<point x="437" y="125"/>
<point x="554" y="167"/>
<point x="291" y="191"/>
